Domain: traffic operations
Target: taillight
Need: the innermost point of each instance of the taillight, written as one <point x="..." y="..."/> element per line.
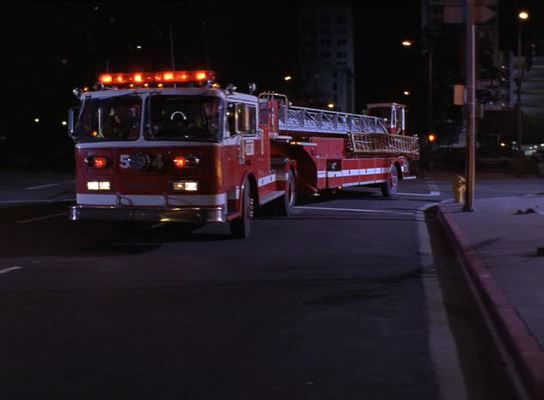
<point x="96" y="162"/>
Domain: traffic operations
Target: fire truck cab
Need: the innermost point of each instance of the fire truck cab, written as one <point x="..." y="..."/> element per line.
<point x="172" y="147"/>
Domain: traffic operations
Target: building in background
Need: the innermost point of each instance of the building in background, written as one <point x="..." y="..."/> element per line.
<point x="496" y="71"/>
<point x="326" y="54"/>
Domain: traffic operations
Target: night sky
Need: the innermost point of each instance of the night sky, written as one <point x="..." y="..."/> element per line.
<point x="52" y="47"/>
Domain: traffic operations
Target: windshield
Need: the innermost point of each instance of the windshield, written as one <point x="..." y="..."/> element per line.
<point x="184" y="118"/>
<point x="113" y="118"/>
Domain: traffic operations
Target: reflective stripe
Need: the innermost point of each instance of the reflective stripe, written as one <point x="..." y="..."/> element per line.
<point x="266" y="180"/>
<point x="351" y="172"/>
<point x="152" y="200"/>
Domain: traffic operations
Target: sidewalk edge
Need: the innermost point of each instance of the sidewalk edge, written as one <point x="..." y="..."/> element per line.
<point x="522" y="347"/>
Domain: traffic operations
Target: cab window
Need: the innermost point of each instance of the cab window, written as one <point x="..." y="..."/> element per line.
<point x="242" y="118"/>
<point x="114" y="118"/>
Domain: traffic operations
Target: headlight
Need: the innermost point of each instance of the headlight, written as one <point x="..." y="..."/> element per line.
<point x="185" y="186"/>
<point x="104" y="185"/>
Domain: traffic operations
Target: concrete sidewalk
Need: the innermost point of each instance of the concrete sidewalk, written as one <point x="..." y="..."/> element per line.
<point x="499" y="246"/>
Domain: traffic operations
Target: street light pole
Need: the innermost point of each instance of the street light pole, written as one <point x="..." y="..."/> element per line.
<point x="522" y="16"/>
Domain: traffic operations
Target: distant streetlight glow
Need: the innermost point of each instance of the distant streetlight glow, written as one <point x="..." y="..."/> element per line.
<point x="407" y="43"/>
<point x="287" y="78"/>
<point x="406" y="93"/>
<point x="139" y="47"/>
<point x="64" y="123"/>
<point x="36" y="120"/>
<point x="523" y="15"/>
<point x="330" y="105"/>
<point x="503" y="144"/>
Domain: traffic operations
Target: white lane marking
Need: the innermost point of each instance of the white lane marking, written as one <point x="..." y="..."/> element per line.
<point x="26" y="221"/>
<point x="442" y="346"/>
<point x="433" y="188"/>
<point x="157" y="225"/>
<point x="35" y="201"/>
<point x="354" y="210"/>
<point x="6" y="270"/>
<point x="432" y="194"/>
<point x="49" y="185"/>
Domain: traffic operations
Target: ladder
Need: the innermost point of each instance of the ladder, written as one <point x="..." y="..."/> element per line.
<point x="303" y="119"/>
<point x="375" y="143"/>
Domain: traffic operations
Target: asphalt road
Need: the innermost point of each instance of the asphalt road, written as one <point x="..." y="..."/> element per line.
<point x="353" y="297"/>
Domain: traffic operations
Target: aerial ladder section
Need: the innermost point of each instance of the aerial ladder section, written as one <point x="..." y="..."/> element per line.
<point x="366" y="134"/>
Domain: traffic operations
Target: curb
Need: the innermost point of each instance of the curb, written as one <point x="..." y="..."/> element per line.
<point x="520" y="345"/>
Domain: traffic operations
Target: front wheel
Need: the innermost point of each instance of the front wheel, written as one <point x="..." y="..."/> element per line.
<point x="240" y="227"/>
<point x="287" y="202"/>
<point x="390" y="187"/>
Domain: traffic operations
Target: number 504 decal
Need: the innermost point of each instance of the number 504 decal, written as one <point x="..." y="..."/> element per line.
<point x="125" y="162"/>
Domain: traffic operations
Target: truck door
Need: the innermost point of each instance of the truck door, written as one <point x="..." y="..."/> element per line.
<point x="243" y="122"/>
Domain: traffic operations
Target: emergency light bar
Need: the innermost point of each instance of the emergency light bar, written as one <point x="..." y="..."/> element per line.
<point x="156" y="77"/>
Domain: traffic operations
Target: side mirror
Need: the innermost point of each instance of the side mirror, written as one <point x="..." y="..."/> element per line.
<point x="73" y="113"/>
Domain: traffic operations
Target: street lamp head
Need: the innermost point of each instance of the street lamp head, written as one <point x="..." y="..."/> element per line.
<point x="287" y="78"/>
<point x="523" y="15"/>
<point x="406" y="93"/>
<point x="407" y="43"/>
<point x="330" y="106"/>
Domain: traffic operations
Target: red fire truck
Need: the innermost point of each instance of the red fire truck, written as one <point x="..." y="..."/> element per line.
<point x="174" y="147"/>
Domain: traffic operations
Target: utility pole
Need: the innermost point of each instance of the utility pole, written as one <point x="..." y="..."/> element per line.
<point x="522" y="16"/>
<point x="470" y="73"/>
<point x="518" y="92"/>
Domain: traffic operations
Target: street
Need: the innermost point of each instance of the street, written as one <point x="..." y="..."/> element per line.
<point x="355" y="296"/>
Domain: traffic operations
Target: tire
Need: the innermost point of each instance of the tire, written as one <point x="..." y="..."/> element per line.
<point x="390" y="187"/>
<point x="241" y="226"/>
<point x="288" y="201"/>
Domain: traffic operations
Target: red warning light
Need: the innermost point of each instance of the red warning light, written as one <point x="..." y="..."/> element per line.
<point x="201" y="75"/>
<point x="180" y="162"/>
<point x="97" y="162"/>
<point x="157" y="77"/>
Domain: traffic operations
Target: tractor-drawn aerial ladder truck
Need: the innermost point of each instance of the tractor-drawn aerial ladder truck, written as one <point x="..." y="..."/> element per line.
<point x="174" y="147"/>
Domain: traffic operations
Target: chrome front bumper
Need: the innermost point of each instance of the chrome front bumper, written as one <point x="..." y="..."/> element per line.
<point x="149" y="214"/>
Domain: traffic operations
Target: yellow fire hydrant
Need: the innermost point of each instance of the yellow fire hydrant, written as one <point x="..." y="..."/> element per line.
<point x="458" y="188"/>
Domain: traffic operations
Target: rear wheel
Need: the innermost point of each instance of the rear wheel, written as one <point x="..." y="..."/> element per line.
<point x="289" y="199"/>
<point x="390" y="187"/>
<point x="240" y="227"/>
